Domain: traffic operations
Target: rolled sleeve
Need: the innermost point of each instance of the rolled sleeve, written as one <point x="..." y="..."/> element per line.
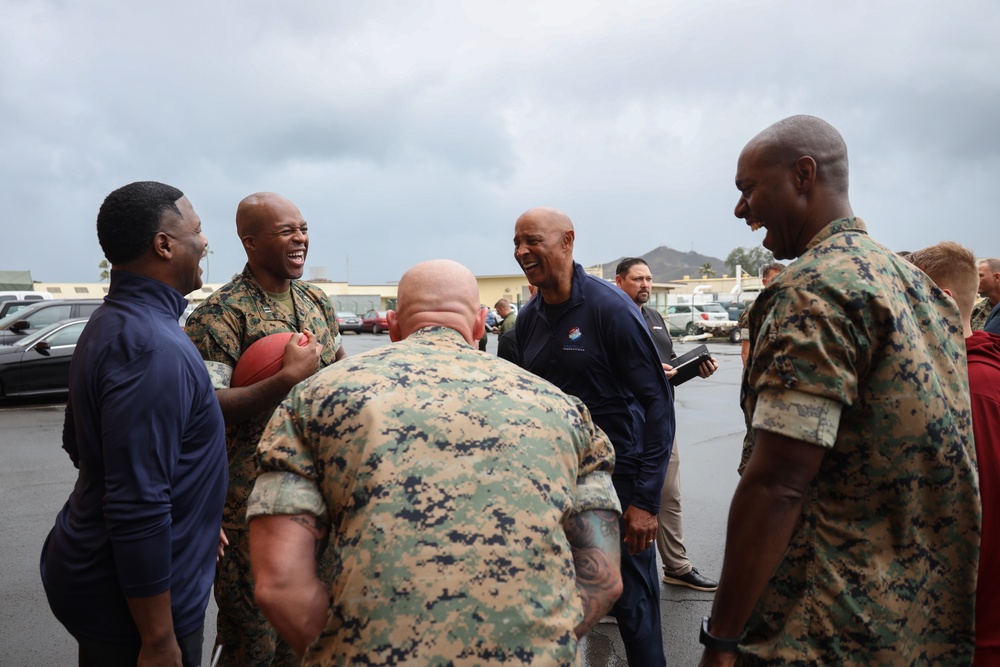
<point x="596" y="492"/>
<point x="800" y="416"/>
<point x="285" y="493"/>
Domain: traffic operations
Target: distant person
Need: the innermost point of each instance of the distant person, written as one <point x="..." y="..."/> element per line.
<point x="507" y="343"/>
<point x="482" y="339"/>
<point x="128" y="566"/>
<point x="853" y="534"/>
<point x="986" y="316"/>
<point x="458" y="538"/>
<point x="267" y="298"/>
<point x="505" y="317"/>
<point x="635" y="279"/>
<point x="586" y="336"/>
<point x="954" y="270"/>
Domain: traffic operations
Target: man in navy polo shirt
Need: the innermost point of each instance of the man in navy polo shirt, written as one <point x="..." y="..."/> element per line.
<point x="585" y="336"/>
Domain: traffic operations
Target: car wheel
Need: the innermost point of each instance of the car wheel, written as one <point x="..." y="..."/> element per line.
<point x="735" y="336"/>
<point x="376" y="330"/>
<point x="691" y="329"/>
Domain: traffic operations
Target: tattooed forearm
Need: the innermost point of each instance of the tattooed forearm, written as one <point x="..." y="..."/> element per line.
<point x="316" y="528"/>
<point x="595" y="540"/>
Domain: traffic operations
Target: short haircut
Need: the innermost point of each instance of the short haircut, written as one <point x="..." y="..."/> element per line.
<point x="773" y="267"/>
<point x="797" y="136"/>
<point x="130" y="217"/>
<point x="501" y="302"/>
<point x="628" y="263"/>
<point x="992" y="263"/>
<point x="953" y="267"/>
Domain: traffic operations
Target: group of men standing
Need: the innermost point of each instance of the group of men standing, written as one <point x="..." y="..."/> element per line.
<point x="424" y="503"/>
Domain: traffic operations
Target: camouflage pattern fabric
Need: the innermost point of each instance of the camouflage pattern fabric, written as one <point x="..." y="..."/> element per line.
<point x="744" y="324"/>
<point x="444" y="475"/>
<point x="980" y="314"/>
<point x="222" y="326"/>
<point x="858" y="352"/>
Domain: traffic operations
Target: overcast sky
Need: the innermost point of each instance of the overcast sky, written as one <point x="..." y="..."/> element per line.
<point x="407" y="131"/>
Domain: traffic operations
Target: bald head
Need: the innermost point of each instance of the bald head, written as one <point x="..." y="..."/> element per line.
<point x="787" y="140"/>
<point x="257" y="211"/>
<point x="438" y="292"/>
<point x="543" y="247"/>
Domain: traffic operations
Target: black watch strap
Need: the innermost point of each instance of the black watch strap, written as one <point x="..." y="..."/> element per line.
<point x="720" y="644"/>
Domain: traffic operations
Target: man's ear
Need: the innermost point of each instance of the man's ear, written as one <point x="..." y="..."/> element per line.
<point x="249" y="242"/>
<point x="805" y="173"/>
<point x="394" y="333"/>
<point x="479" y="327"/>
<point x="568" y="237"/>
<point x="618" y="280"/>
<point x="162" y="245"/>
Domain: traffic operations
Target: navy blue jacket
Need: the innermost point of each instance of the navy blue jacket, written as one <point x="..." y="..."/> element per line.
<point x="600" y="351"/>
<point x="143" y="426"/>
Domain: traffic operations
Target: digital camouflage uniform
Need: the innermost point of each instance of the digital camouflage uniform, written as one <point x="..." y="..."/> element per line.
<point x="858" y="352"/>
<point x="743" y="323"/>
<point x="444" y="476"/>
<point x="980" y="314"/>
<point x="222" y="327"/>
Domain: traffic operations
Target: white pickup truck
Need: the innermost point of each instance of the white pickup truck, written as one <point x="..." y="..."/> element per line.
<point x="702" y="320"/>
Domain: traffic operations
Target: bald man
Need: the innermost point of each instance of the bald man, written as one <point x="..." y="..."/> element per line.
<point x="587" y="337"/>
<point x="266" y="298"/>
<point x="459" y="494"/>
<point x="853" y="534"/>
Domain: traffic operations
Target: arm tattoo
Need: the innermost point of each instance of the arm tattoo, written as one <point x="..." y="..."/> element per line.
<point x="595" y="540"/>
<point x="316" y="528"/>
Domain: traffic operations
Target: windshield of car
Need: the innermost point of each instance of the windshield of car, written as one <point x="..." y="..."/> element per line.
<point x="344" y="313"/>
<point x="712" y="308"/>
<point x="65" y="334"/>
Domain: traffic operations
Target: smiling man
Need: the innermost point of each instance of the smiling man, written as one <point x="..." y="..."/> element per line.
<point x="586" y="336"/>
<point x="853" y="534"/>
<point x="266" y="298"/>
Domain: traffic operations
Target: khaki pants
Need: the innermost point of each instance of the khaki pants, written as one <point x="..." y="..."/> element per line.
<point x="669" y="530"/>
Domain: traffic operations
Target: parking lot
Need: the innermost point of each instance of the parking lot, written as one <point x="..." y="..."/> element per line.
<point x="36" y="477"/>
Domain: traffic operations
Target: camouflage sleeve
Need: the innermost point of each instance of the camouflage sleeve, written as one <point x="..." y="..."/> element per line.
<point x="800" y="416"/>
<point x="809" y="346"/>
<point x="594" y="490"/>
<point x="744" y="322"/>
<point x="287" y="480"/>
<point x="216" y="332"/>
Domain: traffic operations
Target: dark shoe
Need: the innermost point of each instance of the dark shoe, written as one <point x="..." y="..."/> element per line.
<point x="692" y="579"/>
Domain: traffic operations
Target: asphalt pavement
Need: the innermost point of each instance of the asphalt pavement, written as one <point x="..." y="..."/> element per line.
<point x="36" y="477"/>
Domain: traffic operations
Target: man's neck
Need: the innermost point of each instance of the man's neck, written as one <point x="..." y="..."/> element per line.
<point x="559" y="293"/>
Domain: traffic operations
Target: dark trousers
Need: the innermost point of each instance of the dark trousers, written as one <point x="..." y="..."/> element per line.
<point x="100" y="654"/>
<point x="638" y="609"/>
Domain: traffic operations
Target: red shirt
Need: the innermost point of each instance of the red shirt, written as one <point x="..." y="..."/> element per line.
<point x="984" y="384"/>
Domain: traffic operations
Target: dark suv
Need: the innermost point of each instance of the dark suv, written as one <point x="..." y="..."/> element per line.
<point x="17" y="325"/>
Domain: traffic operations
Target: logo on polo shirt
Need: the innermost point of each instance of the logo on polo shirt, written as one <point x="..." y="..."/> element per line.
<point x="574" y="334"/>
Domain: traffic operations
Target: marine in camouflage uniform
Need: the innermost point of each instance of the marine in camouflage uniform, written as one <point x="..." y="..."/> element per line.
<point x="222" y="327"/>
<point x="859" y="353"/>
<point x="444" y="477"/>
<point x="980" y="314"/>
<point x="744" y="325"/>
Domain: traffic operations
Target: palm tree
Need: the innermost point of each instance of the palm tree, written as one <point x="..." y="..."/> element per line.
<point x="706" y="270"/>
<point x="104" y="266"/>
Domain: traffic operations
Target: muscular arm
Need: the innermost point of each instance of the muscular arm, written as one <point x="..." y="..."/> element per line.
<point x="283" y="553"/>
<point x="593" y="537"/>
<point x="765" y="509"/>
<point x="153" y="618"/>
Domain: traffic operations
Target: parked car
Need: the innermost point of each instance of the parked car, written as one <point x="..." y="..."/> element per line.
<point x="8" y="307"/>
<point x="735" y="308"/>
<point x="690" y="320"/>
<point x="39" y="363"/>
<point x="16" y="326"/>
<point x="348" y="321"/>
<point x="374" y="321"/>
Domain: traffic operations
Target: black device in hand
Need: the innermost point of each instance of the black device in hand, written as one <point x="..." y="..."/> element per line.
<point x="688" y="363"/>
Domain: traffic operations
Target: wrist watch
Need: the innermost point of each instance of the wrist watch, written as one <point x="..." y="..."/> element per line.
<point x="721" y="644"/>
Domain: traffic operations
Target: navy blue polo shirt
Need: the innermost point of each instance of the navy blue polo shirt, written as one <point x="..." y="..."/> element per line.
<point x="599" y="349"/>
<point x="144" y="427"/>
